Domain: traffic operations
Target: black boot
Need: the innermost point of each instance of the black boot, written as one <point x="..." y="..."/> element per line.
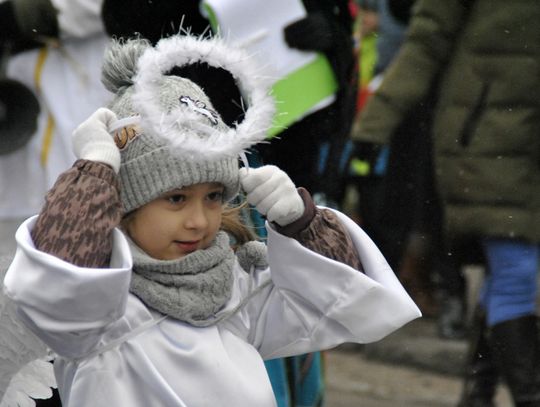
<point x="516" y="350"/>
<point x="481" y="374"/>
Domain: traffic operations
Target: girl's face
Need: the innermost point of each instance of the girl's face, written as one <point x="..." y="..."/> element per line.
<point x="179" y="222"/>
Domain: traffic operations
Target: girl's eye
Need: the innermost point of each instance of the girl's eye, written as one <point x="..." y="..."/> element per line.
<point x="176" y="198"/>
<point x="216" y="196"/>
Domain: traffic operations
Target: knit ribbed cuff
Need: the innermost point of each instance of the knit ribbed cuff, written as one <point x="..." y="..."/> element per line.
<point x="106" y="153"/>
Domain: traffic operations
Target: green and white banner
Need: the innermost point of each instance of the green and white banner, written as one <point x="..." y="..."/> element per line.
<point x="304" y="81"/>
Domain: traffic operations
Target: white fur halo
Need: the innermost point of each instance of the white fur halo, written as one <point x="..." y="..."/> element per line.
<point x="186" y="50"/>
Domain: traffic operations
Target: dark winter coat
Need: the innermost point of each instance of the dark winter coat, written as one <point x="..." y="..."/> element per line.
<point x="484" y="58"/>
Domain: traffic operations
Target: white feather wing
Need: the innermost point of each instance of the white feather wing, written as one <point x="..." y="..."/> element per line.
<point x="25" y="370"/>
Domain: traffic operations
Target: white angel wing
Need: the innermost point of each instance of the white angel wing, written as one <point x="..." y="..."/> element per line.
<point x="25" y="370"/>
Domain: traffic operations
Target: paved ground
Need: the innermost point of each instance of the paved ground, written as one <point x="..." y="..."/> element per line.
<point x="353" y="380"/>
<point x="425" y="372"/>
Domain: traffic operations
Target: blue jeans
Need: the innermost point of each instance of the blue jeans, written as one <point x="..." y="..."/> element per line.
<point x="510" y="286"/>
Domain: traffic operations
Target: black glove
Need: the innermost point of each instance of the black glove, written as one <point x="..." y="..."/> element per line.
<point x="313" y="33"/>
<point x="324" y="32"/>
<point x="24" y="23"/>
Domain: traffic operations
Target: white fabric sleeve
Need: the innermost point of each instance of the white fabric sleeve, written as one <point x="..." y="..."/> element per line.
<point x="318" y="303"/>
<point x="79" y="18"/>
<point x="59" y="301"/>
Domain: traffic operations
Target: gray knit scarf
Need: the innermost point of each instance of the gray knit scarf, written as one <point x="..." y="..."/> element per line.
<point x="191" y="289"/>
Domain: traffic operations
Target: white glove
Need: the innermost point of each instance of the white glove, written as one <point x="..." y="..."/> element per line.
<point x="92" y="141"/>
<point x="272" y="193"/>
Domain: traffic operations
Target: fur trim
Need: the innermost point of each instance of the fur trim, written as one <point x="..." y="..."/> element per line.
<point x="187" y="50"/>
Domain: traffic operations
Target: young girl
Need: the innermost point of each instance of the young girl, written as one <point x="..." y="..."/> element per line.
<point x="128" y="274"/>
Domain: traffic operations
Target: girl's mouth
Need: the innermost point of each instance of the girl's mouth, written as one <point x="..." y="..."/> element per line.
<point x="188" y="245"/>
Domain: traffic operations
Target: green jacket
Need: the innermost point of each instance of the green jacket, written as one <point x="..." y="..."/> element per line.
<point x="483" y="57"/>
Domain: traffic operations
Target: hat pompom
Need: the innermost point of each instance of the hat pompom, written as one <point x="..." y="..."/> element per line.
<point x="120" y="63"/>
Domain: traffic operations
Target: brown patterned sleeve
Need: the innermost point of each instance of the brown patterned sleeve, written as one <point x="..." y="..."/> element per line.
<point x="79" y="215"/>
<point x="321" y="231"/>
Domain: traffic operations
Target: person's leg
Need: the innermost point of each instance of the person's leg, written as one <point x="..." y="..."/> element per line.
<point x="481" y="375"/>
<point x="510" y="301"/>
<point x="450" y="289"/>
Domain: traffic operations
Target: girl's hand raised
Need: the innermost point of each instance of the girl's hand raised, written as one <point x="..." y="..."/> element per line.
<point x="272" y="193"/>
<point x="92" y="140"/>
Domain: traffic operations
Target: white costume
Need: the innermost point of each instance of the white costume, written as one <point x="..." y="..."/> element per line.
<point x="113" y="350"/>
<point x="66" y="81"/>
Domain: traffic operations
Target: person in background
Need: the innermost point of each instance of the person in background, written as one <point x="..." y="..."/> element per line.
<point x="396" y="190"/>
<point x="54" y="49"/>
<point x="320" y="142"/>
<point x="482" y="58"/>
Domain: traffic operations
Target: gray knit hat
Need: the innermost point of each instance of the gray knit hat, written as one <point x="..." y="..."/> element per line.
<point x="168" y="132"/>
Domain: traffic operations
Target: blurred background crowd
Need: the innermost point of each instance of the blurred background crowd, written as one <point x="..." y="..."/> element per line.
<point x="423" y="125"/>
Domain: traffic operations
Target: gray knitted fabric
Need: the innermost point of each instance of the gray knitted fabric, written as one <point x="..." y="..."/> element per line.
<point x="251" y="254"/>
<point x="149" y="166"/>
<point x="191" y="289"/>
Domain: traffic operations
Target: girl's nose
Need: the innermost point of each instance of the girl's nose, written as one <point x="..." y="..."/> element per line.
<point x="196" y="216"/>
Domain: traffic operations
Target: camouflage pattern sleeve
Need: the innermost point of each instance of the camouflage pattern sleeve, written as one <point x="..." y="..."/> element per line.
<point x="321" y="231"/>
<point x="79" y="215"/>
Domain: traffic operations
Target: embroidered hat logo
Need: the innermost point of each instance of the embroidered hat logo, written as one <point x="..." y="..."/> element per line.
<point x="200" y="107"/>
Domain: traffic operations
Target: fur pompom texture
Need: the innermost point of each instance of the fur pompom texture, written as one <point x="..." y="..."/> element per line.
<point x="120" y="63"/>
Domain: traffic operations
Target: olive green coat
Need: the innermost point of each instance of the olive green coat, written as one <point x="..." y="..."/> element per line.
<point x="486" y="129"/>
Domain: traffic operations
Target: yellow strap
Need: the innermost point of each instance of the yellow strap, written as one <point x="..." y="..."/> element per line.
<point x="49" y="128"/>
<point x="47" y="140"/>
<point x="42" y="56"/>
